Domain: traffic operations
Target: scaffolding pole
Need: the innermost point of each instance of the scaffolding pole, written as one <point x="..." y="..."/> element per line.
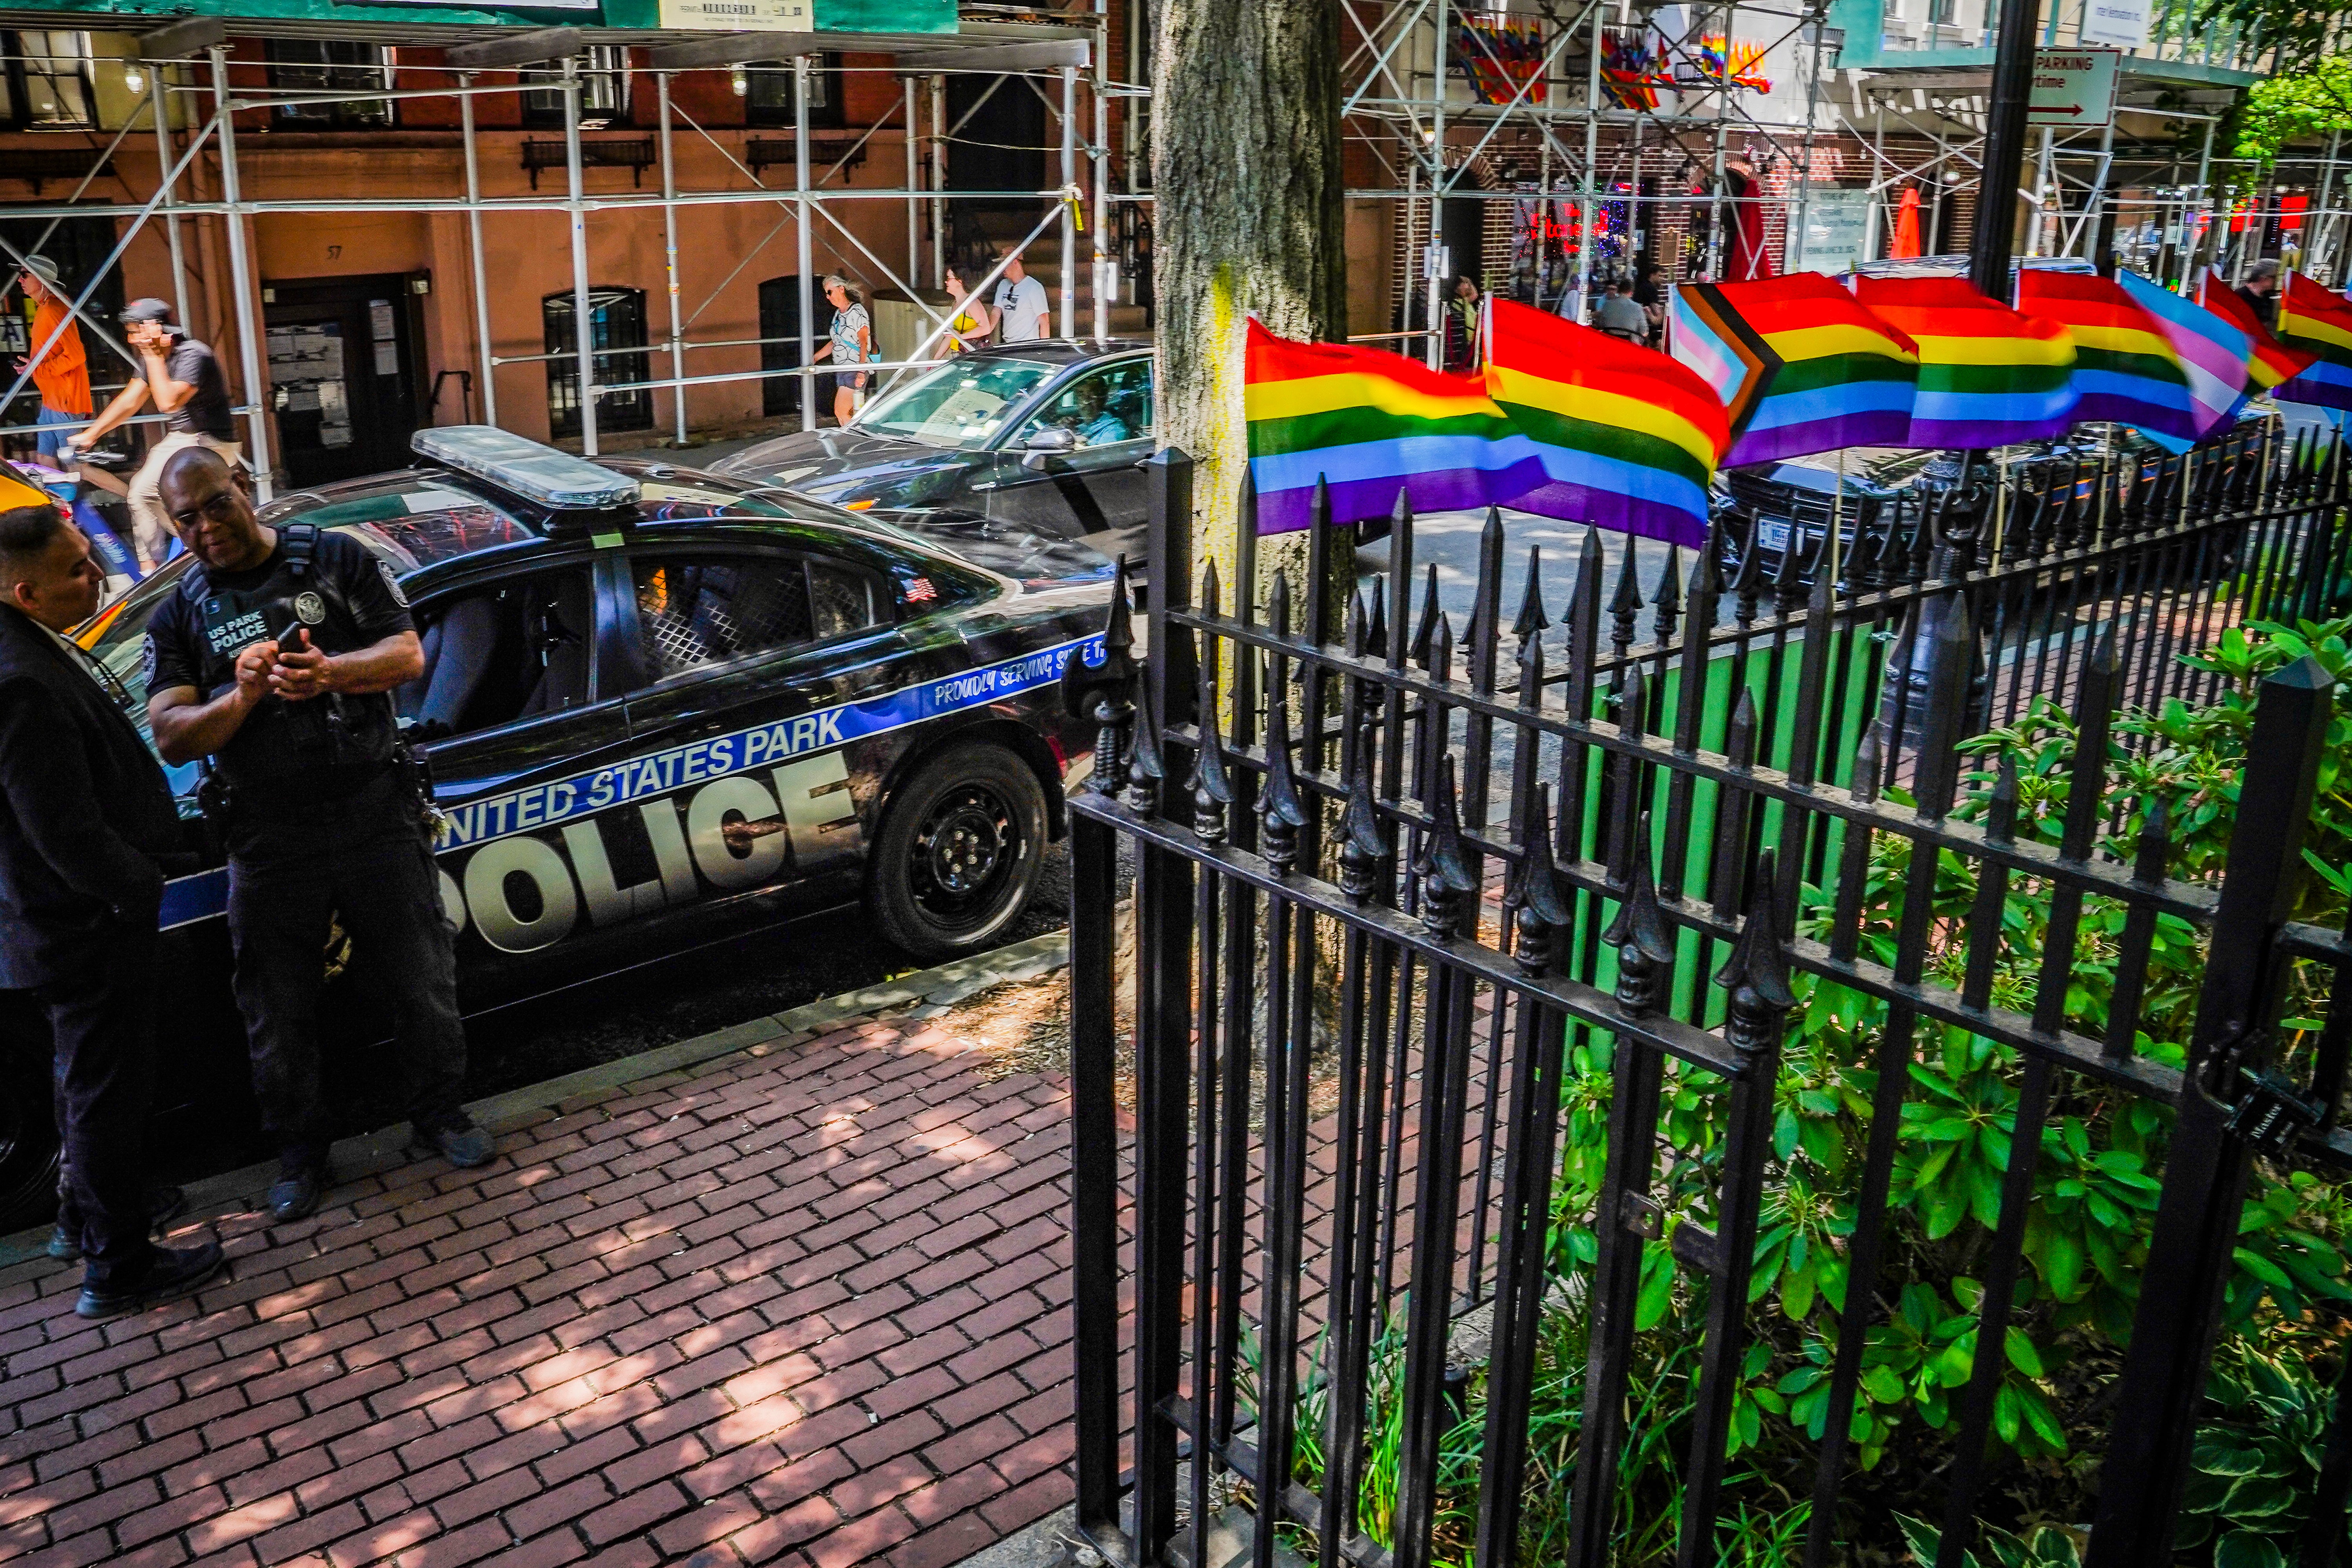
<point x="803" y="251"/>
<point x="584" y="317"/>
<point x="240" y="282"/>
<point x="476" y="261"/>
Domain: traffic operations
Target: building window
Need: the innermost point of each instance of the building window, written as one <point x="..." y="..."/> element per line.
<point x="616" y="334"/>
<point x="323" y="65"/>
<point x="603" y="90"/>
<point x="768" y="93"/>
<point x="48" y="81"/>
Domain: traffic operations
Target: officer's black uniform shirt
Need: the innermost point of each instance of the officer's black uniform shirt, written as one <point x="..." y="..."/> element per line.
<point x="348" y="599"/>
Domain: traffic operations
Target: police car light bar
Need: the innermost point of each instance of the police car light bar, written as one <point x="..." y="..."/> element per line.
<point x="533" y="472"/>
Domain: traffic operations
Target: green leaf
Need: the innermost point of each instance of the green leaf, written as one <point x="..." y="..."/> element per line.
<point x="1921" y="1537"/>
<point x="2021" y="1352"/>
<point x="2220" y="1454"/>
<point x="2244" y="1549"/>
<point x="1657" y="1297"/>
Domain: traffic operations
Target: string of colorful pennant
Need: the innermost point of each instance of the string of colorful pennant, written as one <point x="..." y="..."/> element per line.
<point x="1571" y="423"/>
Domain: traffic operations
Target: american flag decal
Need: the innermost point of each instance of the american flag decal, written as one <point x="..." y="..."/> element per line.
<point x="919" y="589"/>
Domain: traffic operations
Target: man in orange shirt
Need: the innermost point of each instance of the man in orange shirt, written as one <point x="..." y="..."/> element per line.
<point x="63" y="373"/>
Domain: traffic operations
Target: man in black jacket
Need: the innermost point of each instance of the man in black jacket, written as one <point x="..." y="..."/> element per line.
<point x="84" y="811"/>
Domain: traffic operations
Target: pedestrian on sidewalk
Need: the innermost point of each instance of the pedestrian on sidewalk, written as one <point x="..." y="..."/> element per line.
<point x="61" y="372"/>
<point x="1021" y="306"/>
<point x="87" y="818"/>
<point x="184" y="379"/>
<point x="971" y="324"/>
<point x="848" y="341"/>
<point x="276" y="656"/>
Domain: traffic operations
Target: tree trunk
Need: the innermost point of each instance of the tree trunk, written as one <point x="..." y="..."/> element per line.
<point x="1247" y="193"/>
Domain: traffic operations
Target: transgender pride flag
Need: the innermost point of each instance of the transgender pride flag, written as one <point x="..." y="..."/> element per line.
<point x="2213" y="352"/>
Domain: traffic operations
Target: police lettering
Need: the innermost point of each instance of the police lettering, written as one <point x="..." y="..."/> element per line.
<point x="523" y="891"/>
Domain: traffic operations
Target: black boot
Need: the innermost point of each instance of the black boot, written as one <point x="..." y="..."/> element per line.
<point x="301" y="1179"/>
<point x="175" y="1272"/>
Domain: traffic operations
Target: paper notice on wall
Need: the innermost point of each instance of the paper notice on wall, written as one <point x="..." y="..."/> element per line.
<point x="1836" y="230"/>
<point x="380" y="323"/>
<point x="737" y="16"/>
<point x="2122" y="23"/>
<point x="387" y="359"/>
<point x="302" y="399"/>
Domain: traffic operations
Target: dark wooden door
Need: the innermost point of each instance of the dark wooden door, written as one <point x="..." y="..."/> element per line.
<point x="342" y="376"/>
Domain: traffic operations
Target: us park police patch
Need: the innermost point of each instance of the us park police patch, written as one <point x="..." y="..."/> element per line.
<point x="391" y="582"/>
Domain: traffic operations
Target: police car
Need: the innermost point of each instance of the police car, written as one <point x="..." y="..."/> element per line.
<point x="659" y="708"/>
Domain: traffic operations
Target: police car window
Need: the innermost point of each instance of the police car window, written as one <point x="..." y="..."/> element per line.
<point x="695" y="610"/>
<point x="517" y="649"/>
<point x="1101" y="408"/>
<point x="120" y="647"/>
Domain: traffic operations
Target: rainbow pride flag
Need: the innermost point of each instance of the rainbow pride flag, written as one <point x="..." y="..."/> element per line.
<point x="1627" y="438"/>
<point x="1373" y="424"/>
<point x="2319" y="321"/>
<point x="2126" y="368"/>
<point x="1798" y="364"/>
<point x="1988" y="375"/>
<point x="2268" y="361"/>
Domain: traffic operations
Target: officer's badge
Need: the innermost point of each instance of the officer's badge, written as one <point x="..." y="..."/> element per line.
<point x="309" y="608"/>
<point x="147" y="661"/>
<point x="392" y="582"/>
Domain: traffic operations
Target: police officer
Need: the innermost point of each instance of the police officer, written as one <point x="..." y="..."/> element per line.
<point x="275" y="658"/>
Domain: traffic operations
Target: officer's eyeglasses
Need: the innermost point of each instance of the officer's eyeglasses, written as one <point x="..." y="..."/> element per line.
<point x="220" y="506"/>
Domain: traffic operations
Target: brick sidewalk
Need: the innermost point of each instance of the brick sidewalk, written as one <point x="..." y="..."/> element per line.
<point x="806" y="1303"/>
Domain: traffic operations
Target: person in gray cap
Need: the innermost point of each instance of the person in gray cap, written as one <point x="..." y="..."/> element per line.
<point x="62" y="370"/>
<point x="183" y="378"/>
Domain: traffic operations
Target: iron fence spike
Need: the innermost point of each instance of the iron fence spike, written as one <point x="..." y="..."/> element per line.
<point x="1626" y="604"/>
<point x="1444" y="863"/>
<point x="1376" y="635"/>
<point x="1279" y="808"/>
<point x="1740" y="739"/>
<point x="1419" y="648"/>
<point x="1532" y="671"/>
<point x="1363" y="838"/>
<point x="2000" y="812"/>
<point x="1277" y="604"/>
<point x="1531" y="617"/>
<point x="1869" y="764"/>
<point x="1542" y="906"/>
<point x="1757" y="972"/>
<point x="2154" y="852"/>
<point x="1441" y="650"/>
<point x="1358" y="625"/>
<point x="1634" y="703"/>
<point x="1639" y="930"/>
<point x="1146" y="768"/>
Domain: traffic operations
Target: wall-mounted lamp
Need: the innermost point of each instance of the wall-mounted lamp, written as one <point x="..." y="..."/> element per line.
<point x="134" y="81"/>
<point x="740" y="83"/>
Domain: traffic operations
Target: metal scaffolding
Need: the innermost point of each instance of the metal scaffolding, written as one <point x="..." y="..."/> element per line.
<point x="188" y="65"/>
<point x="1603" y="104"/>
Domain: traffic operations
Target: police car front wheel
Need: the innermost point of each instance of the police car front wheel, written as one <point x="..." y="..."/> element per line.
<point x="959" y="852"/>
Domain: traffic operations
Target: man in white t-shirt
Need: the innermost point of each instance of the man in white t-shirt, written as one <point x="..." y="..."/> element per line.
<point x="1021" y="306"/>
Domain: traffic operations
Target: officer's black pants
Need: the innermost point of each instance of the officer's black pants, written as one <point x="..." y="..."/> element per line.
<point x="103" y="1027"/>
<point x="291" y="869"/>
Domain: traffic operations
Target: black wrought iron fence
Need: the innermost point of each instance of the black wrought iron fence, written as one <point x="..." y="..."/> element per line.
<point x="1364" y="967"/>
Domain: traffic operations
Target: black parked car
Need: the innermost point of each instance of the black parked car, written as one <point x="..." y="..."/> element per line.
<point x="1050" y="436"/>
<point x="660" y="708"/>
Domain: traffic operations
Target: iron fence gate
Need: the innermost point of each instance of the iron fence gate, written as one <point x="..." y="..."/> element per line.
<point x="1384" y="896"/>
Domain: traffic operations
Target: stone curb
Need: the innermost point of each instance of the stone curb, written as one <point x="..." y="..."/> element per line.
<point x="370" y="1152"/>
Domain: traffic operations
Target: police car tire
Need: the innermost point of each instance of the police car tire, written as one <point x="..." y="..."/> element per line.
<point x="981" y="772"/>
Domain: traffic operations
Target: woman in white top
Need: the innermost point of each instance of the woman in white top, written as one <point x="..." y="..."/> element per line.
<point x="850" y="342"/>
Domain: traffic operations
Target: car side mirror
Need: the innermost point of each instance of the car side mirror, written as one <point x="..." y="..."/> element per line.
<point x="1043" y="444"/>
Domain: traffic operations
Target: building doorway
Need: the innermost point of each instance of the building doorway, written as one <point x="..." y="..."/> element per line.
<point x="780" y="346"/>
<point x="616" y="336"/>
<point x="342" y="374"/>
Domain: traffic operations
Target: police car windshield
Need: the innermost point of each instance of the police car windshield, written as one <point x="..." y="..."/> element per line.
<point x="963" y="402"/>
<point x="415" y="523"/>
